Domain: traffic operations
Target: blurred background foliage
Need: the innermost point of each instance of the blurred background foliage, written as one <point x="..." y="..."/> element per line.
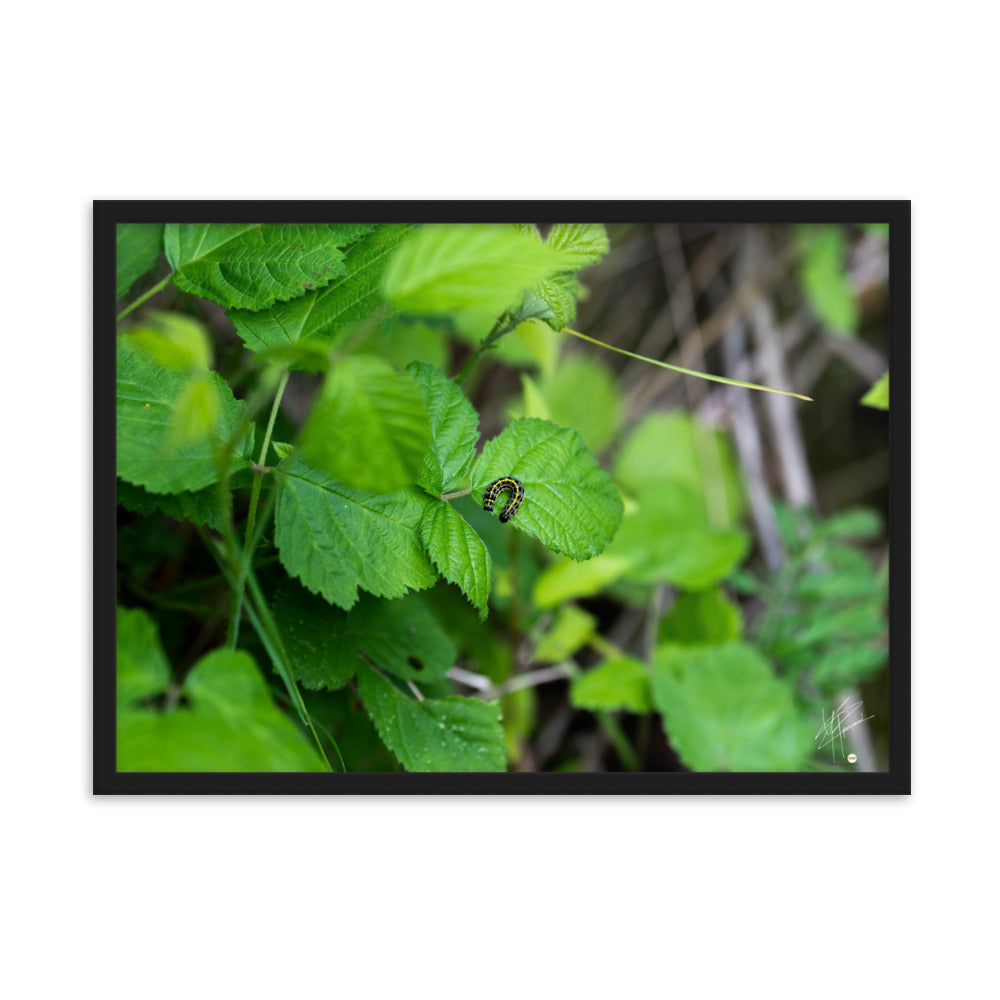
<point x="745" y="594"/>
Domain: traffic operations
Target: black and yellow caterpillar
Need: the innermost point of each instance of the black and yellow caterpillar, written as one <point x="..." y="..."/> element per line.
<point x="513" y="487"/>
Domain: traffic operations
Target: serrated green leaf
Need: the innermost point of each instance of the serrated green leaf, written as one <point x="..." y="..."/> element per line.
<point x="583" y="243"/>
<point x="700" y="618"/>
<point x="137" y="246"/>
<point x="369" y="428"/>
<point x="232" y="726"/>
<point x="249" y="266"/>
<point x="618" y="683"/>
<point x="458" y="552"/>
<point x="724" y="710"/>
<point x="440" y="734"/>
<point x="325" y="645"/>
<point x="202" y="507"/>
<point x="825" y="282"/>
<point x="336" y="538"/>
<point x="148" y="397"/>
<point x="582" y="393"/>
<point x="323" y="313"/>
<point x="878" y="395"/>
<point x="467" y="267"/>
<point x="571" y="628"/>
<point x="142" y="668"/>
<point x="570" y="504"/>
<point x="454" y="429"/>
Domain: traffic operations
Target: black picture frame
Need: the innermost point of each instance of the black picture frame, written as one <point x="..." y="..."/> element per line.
<point x="106" y="780"/>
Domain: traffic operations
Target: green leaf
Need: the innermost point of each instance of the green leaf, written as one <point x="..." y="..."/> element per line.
<point x="402" y="342"/>
<point x="454" y="429"/>
<point x="664" y="539"/>
<point x="724" y="710"/>
<point x="571" y="629"/>
<point x="698" y="618"/>
<point x="582" y="393"/>
<point x="142" y="667"/>
<point x="836" y="669"/>
<point x="151" y="403"/>
<point x="570" y="504"/>
<point x="565" y="579"/>
<point x="825" y="282"/>
<point x="176" y="341"/>
<point x="137" y="246"/>
<point x="856" y="523"/>
<point x="458" y="553"/>
<point x="473" y="267"/>
<point x="325" y="645"/>
<point x="323" y="313"/>
<point x="441" y="734"/>
<point x="369" y="427"/>
<point x="232" y="726"/>
<point x="878" y="395"/>
<point x="618" y="683"/>
<point x="582" y="243"/>
<point x="675" y="448"/>
<point x="202" y="507"/>
<point x="336" y="538"/>
<point x="252" y="266"/>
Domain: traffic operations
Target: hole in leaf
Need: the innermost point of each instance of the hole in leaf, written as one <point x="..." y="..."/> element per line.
<point x="415" y="663"/>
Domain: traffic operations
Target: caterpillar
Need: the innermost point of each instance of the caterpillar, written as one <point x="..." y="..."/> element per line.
<point x="513" y="487"/>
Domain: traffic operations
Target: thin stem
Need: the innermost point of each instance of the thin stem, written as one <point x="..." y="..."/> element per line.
<point x="499" y="329"/>
<point x="142" y="298"/>
<point x="458" y="493"/>
<point x="249" y="540"/>
<point x="686" y="371"/>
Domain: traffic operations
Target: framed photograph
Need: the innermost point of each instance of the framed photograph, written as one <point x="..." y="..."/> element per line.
<point x="502" y="498"/>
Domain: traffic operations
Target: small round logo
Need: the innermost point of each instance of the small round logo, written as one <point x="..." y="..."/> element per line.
<point x="852" y="758"/>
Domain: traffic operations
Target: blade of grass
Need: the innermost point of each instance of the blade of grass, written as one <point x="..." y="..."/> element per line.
<point x="686" y="371"/>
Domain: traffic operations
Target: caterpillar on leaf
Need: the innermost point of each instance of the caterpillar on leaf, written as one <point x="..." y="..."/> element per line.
<point x="510" y="485"/>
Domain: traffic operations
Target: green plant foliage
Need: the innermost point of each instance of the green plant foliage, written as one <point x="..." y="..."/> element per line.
<point x="152" y="402"/>
<point x="565" y="579"/>
<point x="440" y="734"/>
<point x="337" y="538"/>
<point x="878" y="395"/>
<point x="571" y="629"/>
<point x="570" y="503"/>
<point x="824" y="618"/>
<point x="142" y="668"/>
<point x="582" y="393"/>
<point x="322" y="313"/>
<point x="326" y="645"/>
<point x="253" y="266"/>
<point x="682" y="528"/>
<point x="824" y="279"/>
<point x="618" y="683"/>
<point x="138" y="244"/>
<point x="232" y="724"/>
<point x="201" y="507"/>
<point x="698" y="618"/>
<point x="553" y="299"/>
<point x="724" y="710"/>
<point x="458" y="553"/>
<point x="177" y="342"/>
<point x="401" y="342"/>
<point x="467" y="268"/>
<point x="369" y="426"/>
<point x="454" y="429"/>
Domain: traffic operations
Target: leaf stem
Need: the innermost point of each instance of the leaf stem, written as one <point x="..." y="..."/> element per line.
<point x="686" y="371"/>
<point x="145" y="295"/>
<point x="499" y="329"/>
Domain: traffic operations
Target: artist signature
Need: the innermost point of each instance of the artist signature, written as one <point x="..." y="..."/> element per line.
<point x="848" y="714"/>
